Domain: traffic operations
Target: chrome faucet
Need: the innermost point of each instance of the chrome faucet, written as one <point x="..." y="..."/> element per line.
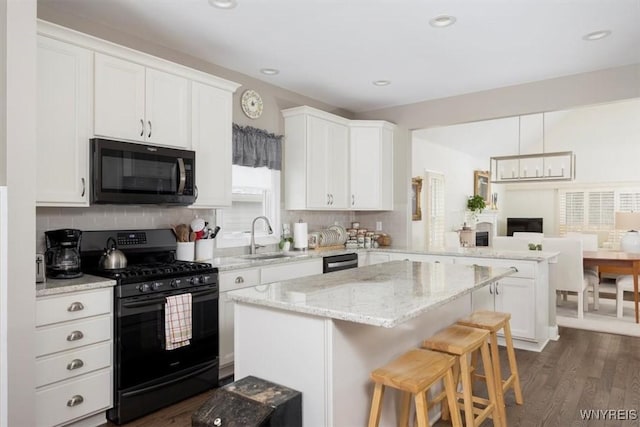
<point x="253" y="247"/>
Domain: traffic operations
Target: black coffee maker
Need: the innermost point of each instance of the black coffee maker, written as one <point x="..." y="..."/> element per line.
<point x="63" y="253"/>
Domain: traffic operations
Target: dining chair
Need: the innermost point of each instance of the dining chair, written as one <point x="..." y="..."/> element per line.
<point x="623" y="284"/>
<point x="568" y="274"/>
<point x="590" y="243"/>
<point x="505" y="243"/>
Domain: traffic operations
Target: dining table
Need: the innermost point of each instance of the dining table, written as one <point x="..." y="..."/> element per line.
<point x="616" y="262"/>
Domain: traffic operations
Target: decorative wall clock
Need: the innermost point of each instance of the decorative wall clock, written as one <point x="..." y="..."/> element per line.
<point x="251" y="103"/>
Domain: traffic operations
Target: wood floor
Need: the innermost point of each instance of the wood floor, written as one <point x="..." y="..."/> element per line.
<point x="583" y="370"/>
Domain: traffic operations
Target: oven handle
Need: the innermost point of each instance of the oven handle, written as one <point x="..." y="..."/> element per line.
<point x="167" y="383"/>
<point x="162" y="300"/>
<point x="183" y="175"/>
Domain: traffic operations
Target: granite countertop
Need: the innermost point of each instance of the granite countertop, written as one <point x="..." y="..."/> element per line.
<point x="478" y="252"/>
<point x="61" y="286"/>
<point x="384" y="295"/>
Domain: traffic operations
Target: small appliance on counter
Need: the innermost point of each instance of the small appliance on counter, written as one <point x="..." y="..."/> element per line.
<point x="62" y="256"/>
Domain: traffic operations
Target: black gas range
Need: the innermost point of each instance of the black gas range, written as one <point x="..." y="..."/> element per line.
<point x="147" y="376"/>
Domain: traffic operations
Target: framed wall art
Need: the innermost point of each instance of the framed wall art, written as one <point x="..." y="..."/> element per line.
<point x="416" y="191"/>
<point x="481" y="185"/>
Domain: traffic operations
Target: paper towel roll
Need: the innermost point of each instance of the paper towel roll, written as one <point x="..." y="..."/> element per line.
<point x="300" y="236"/>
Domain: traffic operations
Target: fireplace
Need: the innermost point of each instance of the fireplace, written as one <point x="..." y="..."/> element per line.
<point x="482" y="238"/>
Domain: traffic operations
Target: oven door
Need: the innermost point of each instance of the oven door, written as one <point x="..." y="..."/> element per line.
<point x="141" y="358"/>
<point x="126" y="173"/>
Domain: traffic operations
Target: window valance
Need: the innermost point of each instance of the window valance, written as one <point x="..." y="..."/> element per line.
<point x="256" y="148"/>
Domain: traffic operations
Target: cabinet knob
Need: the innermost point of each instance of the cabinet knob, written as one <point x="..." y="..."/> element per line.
<point x="239" y="279"/>
<point x="497" y="292"/>
<point x="75" y="306"/>
<point x="328" y="199"/>
<point x="491" y="288"/>
<point x="353" y="199"/>
<point x="141" y="127"/>
<point x="75" y="401"/>
<point x="75" y="336"/>
<point x="75" y="364"/>
<point x="150" y="128"/>
<point x="217" y="422"/>
<point x="84" y="187"/>
<point x="331" y="196"/>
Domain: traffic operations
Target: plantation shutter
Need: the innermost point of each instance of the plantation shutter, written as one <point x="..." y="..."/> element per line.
<point x="601" y="209"/>
<point x="571" y="211"/>
<point x="435" y="210"/>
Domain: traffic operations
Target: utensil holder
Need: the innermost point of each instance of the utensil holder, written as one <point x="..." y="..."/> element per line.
<point x="204" y="249"/>
<point x="185" y="251"/>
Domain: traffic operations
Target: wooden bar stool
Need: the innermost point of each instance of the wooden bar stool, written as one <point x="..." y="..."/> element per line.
<point x="492" y="322"/>
<point x="463" y="341"/>
<point x="414" y="373"/>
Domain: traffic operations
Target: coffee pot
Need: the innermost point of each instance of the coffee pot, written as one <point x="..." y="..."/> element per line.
<point x="62" y="257"/>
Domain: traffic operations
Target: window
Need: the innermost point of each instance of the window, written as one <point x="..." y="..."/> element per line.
<point x="435" y="210"/>
<point x="255" y="192"/>
<point x="593" y="210"/>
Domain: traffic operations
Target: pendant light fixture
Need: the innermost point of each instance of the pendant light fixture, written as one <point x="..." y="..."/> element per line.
<point x="556" y="166"/>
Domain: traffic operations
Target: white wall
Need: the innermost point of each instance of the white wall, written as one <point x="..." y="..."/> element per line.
<point x="18" y="137"/>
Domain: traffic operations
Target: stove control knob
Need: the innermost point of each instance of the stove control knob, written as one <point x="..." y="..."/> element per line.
<point x="156" y="285"/>
<point x="173" y="283"/>
<point x="144" y="287"/>
<point x="193" y="281"/>
<point x="201" y="279"/>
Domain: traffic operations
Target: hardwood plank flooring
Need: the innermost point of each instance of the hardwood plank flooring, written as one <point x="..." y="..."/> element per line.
<point x="581" y="371"/>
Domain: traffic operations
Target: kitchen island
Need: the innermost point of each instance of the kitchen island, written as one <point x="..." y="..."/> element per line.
<point x="323" y="334"/>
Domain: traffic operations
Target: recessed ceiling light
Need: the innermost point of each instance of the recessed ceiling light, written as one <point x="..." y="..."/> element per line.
<point x="223" y="4"/>
<point x="269" y="71"/>
<point x="443" y="21"/>
<point x="596" y="35"/>
<point x="381" y="82"/>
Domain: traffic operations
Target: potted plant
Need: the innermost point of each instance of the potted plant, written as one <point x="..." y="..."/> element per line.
<point x="476" y="204"/>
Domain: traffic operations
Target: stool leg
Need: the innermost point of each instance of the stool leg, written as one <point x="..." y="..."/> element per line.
<point x="497" y="374"/>
<point x="466" y="391"/>
<point x="513" y="366"/>
<point x="491" y="385"/>
<point x="422" y="413"/>
<point x="450" y="389"/>
<point x="374" y="415"/>
<point x="405" y="407"/>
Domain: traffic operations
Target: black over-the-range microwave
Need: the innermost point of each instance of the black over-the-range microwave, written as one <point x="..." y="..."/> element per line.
<point x="130" y="173"/>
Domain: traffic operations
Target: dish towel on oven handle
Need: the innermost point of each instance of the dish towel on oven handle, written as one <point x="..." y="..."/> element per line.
<point x="177" y="321"/>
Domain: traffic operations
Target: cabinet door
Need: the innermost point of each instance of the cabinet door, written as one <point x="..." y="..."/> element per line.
<point x="211" y="139"/>
<point x="517" y="296"/>
<point x="119" y="98"/>
<point x="364" y="147"/>
<point x="167" y="109"/>
<point x="337" y="155"/>
<point x="483" y="298"/>
<point x="225" y="320"/>
<point x="317" y="163"/>
<point x="63" y="124"/>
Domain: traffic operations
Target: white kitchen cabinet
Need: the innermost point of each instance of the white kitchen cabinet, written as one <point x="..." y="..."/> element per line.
<point x="407" y="256"/>
<point x="73" y="364"/>
<point x="229" y="281"/>
<point x="515" y="294"/>
<point x="63" y="125"/>
<point x="211" y="133"/>
<point x="277" y="273"/>
<point x="371" y="165"/>
<point x="371" y="258"/>
<point x="138" y="103"/>
<point x="316" y="160"/>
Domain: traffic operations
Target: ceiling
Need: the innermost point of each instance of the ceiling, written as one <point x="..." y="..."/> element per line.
<point x="332" y="50"/>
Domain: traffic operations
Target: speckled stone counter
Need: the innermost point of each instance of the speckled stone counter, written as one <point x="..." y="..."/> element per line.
<point x="380" y="295"/>
<point x="62" y="286"/>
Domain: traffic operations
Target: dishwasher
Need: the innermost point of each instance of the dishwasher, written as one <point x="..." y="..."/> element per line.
<point x="339" y="262"/>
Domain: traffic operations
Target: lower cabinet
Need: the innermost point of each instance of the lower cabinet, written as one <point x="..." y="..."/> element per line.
<point x="74" y="377"/>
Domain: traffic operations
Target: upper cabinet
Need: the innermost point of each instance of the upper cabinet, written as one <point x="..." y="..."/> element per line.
<point x="63" y="125"/>
<point x="137" y="103"/>
<point x="332" y="163"/>
<point x="316" y="160"/>
<point x="89" y="87"/>
<point x="371" y="165"/>
<point x="211" y="133"/>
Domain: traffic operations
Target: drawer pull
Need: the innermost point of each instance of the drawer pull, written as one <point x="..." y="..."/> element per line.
<point x="75" y="336"/>
<point x="75" y="306"/>
<point x="75" y="401"/>
<point x="239" y="279"/>
<point x="75" y="364"/>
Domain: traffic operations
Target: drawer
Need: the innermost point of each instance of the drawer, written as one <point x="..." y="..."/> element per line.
<point x="56" y="405"/>
<point x="70" y="364"/>
<point x="61" y="308"/>
<point x="238" y="279"/>
<point x="67" y="336"/>
<point x="525" y="269"/>
<point x="291" y="270"/>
